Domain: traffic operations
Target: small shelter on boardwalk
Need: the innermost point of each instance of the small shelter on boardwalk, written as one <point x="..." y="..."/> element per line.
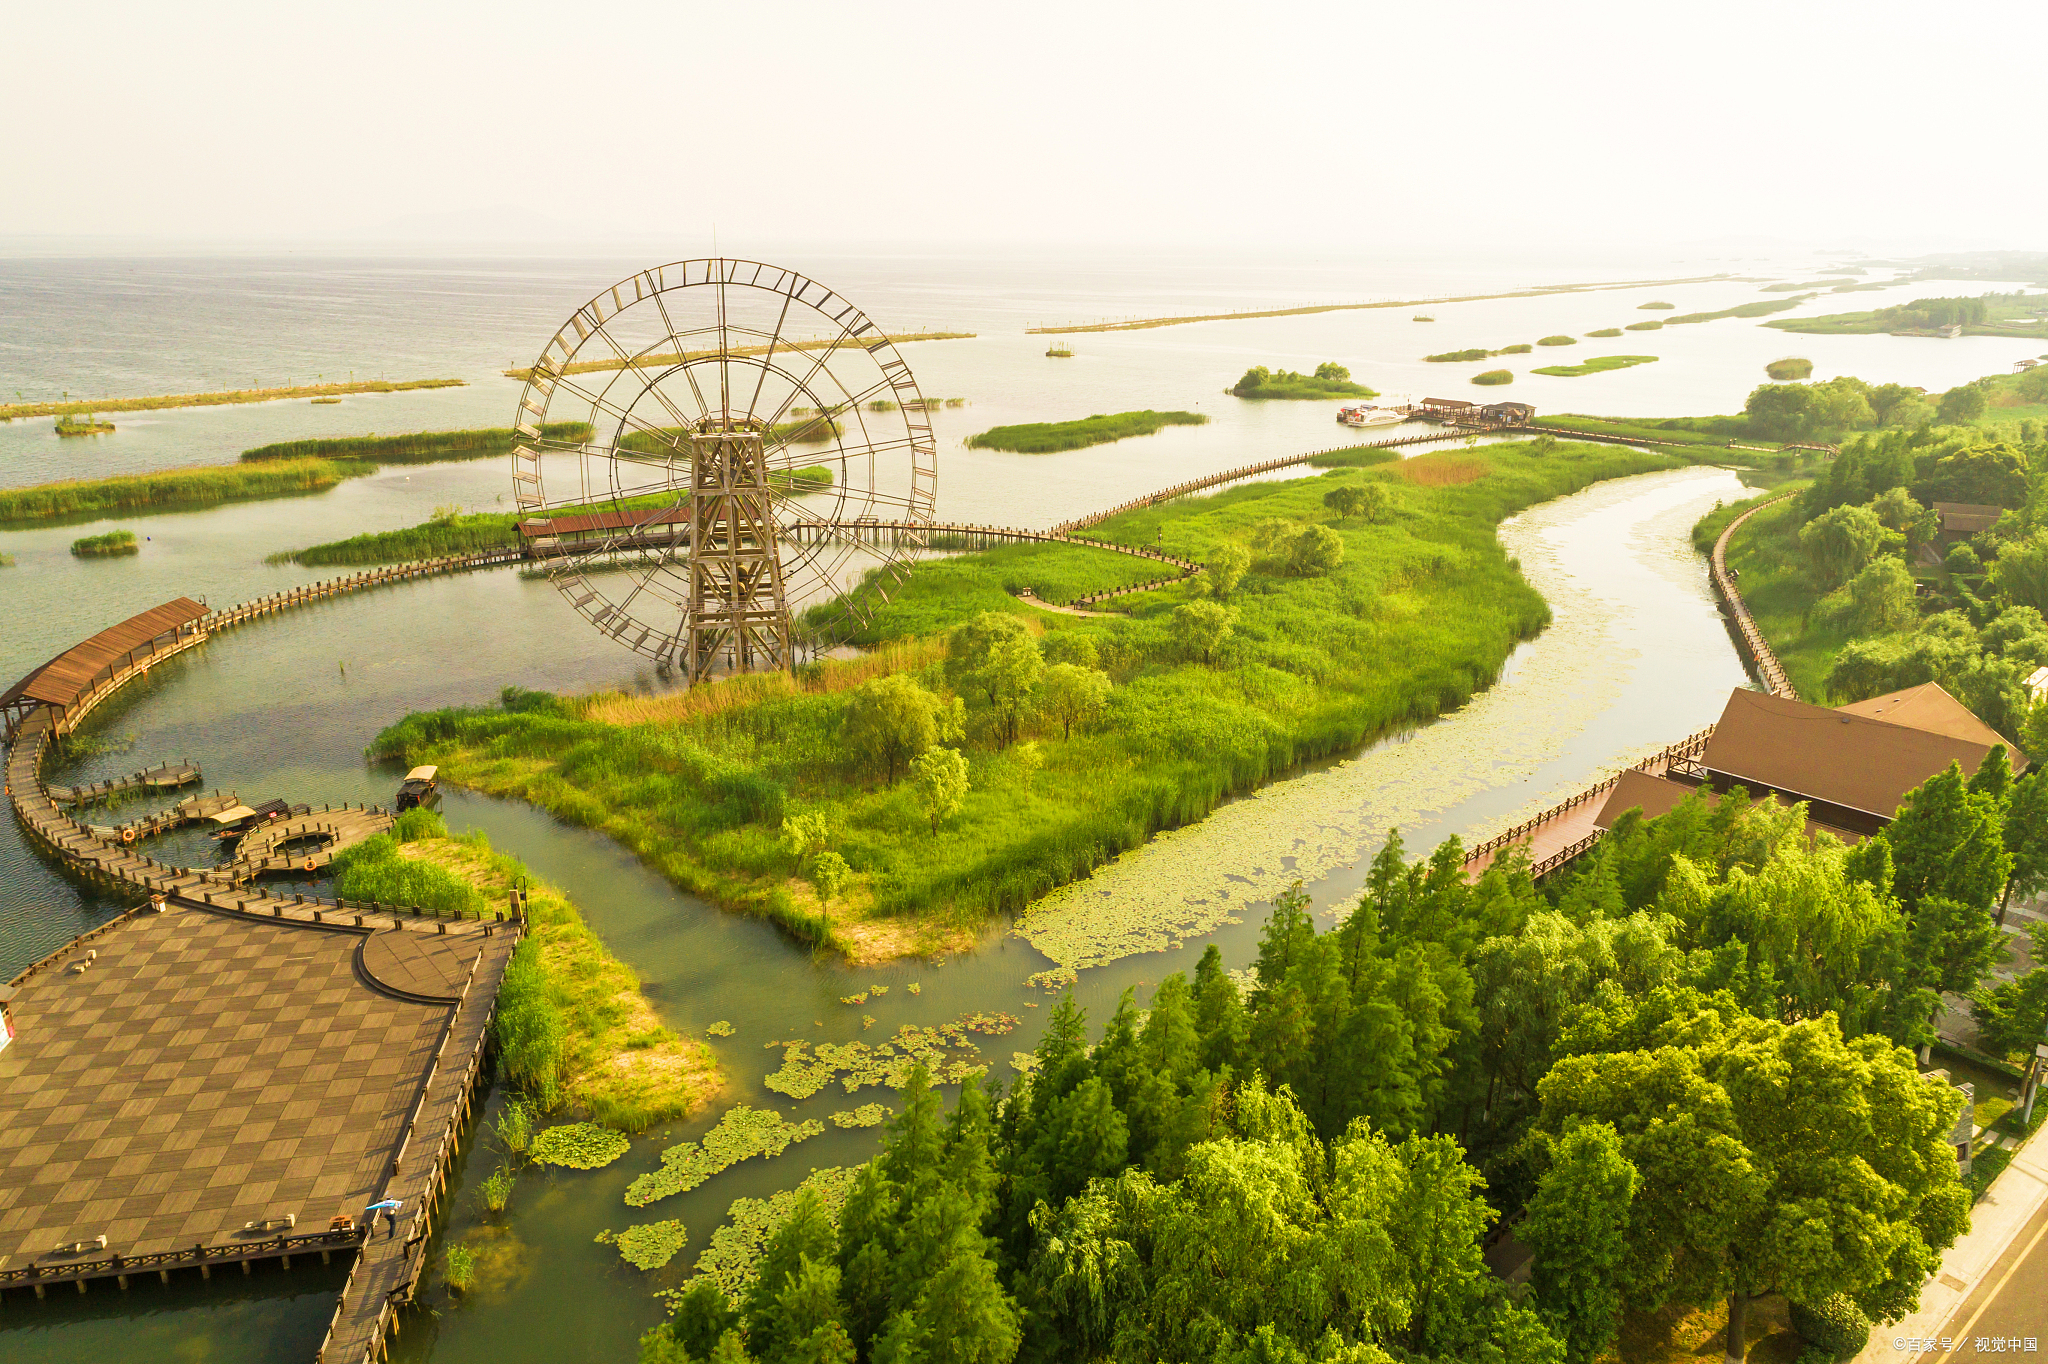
<point x="1959" y="520"/>
<point x="1439" y="409"/>
<point x="76" y="678"/>
<point x="1852" y="766"/>
<point x="1507" y="414"/>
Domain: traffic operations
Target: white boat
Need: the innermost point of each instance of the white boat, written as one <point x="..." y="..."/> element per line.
<point x="1365" y="414"/>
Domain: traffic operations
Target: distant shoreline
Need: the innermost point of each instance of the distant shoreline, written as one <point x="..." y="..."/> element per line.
<point x="677" y="358"/>
<point x="1142" y="324"/>
<point x="222" y="398"/>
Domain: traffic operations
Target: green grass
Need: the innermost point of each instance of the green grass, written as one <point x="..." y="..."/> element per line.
<point x="419" y="447"/>
<point x="88" y="425"/>
<point x="1762" y="309"/>
<point x="1288" y="384"/>
<point x="1606" y="332"/>
<point x="1792" y="367"/>
<point x="221" y="398"/>
<point x="1421" y="614"/>
<point x="1597" y="365"/>
<point x="1778" y="588"/>
<point x="476" y="532"/>
<point x="1494" y="377"/>
<point x="6" y="561"/>
<point x="88" y="499"/>
<point x="1558" y="341"/>
<point x="114" y="542"/>
<point x="2003" y="314"/>
<point x="1040" y="438"/>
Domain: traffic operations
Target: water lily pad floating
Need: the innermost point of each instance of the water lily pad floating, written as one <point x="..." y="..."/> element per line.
<point x="734" y="1255"/>
<point x="579" y="1146"/>
<point x="914" y="988"/>
<point x="860" y="998"/>
<point x="867" y="1115"/>
<point x="741" y="1134"/>
<point x="652" y="1244"/>
<point x="720" y="1029"/>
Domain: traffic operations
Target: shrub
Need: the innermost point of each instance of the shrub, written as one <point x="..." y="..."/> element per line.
<point x="1495" y="376"/>
<point x="417" y="823"/>
<point x="1834" y="1324"/>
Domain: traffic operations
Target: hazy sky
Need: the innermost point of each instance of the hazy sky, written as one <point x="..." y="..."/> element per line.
<point x="1278" y="126"/>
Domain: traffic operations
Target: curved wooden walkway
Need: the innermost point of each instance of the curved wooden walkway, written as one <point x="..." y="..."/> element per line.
<point x="1566" y="829"/>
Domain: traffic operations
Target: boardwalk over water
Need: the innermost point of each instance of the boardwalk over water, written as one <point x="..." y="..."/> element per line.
<point x="219" y="1076"/>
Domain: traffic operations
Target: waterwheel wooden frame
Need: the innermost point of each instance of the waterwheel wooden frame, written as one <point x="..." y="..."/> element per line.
<point x="664" y="439"/>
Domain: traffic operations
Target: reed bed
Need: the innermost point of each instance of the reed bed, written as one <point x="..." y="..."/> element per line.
<point x="221" y="398"/>
<point x="113" y="543"/>
<point x="1422" y="612"/>
<point x="1494" y="377"/>
<point x="171" y="490"/>
<point x="1599" y="364"/>
<point x="1044" y="438"/>
<point x="1791" y="367"/>
<point x="418" y="447"/>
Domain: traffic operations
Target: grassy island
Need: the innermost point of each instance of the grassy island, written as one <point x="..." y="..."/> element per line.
<point x="1606" y="332"/>
<point x="1044" y="438"/>
<point x="168" y="490"/>
<point x="2017" y="315"/>
<point x="1790" y="368"/>
<point x="1558" y="341"/>
<point x="1331" y="380"/>
<point x="1076" y="738"/>
<point x="1762" y="309"/>
<point x="88" y="425"/>
<point x="454" y="531"/>
<point x="114" y="542"/>
<point x="578" y="1030"/>
<point x="1599" y="364"/>
<point x="418" y="447"/>
<point x="222" y="398"/>
<point x="1494" y="377"/>
<point x="1656" y="307"/>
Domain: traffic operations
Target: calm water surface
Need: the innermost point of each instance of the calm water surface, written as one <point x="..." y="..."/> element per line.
<point x="1637" y="657"/>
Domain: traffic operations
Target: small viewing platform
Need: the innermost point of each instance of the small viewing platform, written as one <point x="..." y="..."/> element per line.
<point x="162" y="777"/>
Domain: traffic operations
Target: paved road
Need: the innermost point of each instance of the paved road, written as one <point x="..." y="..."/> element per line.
<point x="2007" y="1313"/>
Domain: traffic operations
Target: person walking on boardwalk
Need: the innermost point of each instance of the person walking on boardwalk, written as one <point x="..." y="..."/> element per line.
<point x="389" y="1207"/>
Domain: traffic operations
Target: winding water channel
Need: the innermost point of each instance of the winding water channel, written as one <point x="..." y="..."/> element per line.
<point x="1637" y="656"/>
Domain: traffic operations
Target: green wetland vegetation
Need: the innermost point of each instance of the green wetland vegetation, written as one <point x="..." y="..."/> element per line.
<point x="111" y="544"/>
<point x="1331" y="380"/>
<point x="2018" y="315"/>
<point x="418" y="447"/>
<point x="86" y="499"/>
<point x="1599" y="364"/>
<point x="1453" y="356"/>
<point x="1494" y="377"/>
<point x="219" y="398"/>
<point x="1558" y="341"/>
<point x="1318" y="626"/>
<point x="1606" y="332"/>
<point x="1044" y="438"/>
<point x="1790" y="368"/>
<point x="1302" y="1166"/>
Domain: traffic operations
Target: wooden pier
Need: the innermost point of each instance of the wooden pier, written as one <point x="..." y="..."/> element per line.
<point x="151" y="1131"/>
<point x="266" y="850"/>
<point x="162" y="777"/>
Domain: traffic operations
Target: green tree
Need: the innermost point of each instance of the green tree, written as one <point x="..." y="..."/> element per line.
<point x="1780" y="411"/>
<point x="890" y="720"/>
<point x="995" y="656"/>
<point x="1772" y="1157"/>
<point x="940" y="775"/>
<point x="1881" y="597"/>
<point x="2021" y="571"/>
<point x="829" y="876"/>
<point x="806" y="834"/>
<point x="806" y="1239"/>
<point x="1838" y="543"/>
<point x="1376" y="500"/>
<point x="1316" y="551"/>
<point x="1347" y="501"/>
<point x="1069" y="646"/>
<point x="2012" y="1015"/>
<point x="1200" y="627"/>
<point x="1226" y="567"/>
<point x="1331" y="370"/>
<point x="2026" y="838"/>
<point x="1578" y="1228"/>
<point x="1963" y="405"/>
<point x="1072" y="695"/>
<point x="1948" y="842"/>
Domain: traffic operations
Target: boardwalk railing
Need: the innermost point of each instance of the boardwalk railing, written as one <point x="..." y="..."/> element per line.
<point x="1661" y="761"/>
<point x="1768" y="670"/>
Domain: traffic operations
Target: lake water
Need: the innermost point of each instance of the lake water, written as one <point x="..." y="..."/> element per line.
<point x="1637" y="657"/>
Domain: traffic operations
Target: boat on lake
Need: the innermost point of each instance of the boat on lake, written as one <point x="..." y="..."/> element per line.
<point x="418" y="788"/>
<point x="230" y="824"/>
<point x="1365" y="414"/>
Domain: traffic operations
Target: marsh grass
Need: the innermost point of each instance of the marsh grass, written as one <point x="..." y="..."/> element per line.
<point x="1599" y="364"/>
<point x="1656" y="307"/>
<point x="1422" y="613"/>
<point x="1494" y="377"/>
<point x="1606" y="332"/>
<point x="1792" y="367"/>
<point x="1558" y="341"/>
<point x="86" y="499"/>
<point x="224" y="397"/>
<point x="1041" y="438"/>
<point x="114" y="542"/>
<point x="1654" y="324"/>
<point x="418" y="447"/>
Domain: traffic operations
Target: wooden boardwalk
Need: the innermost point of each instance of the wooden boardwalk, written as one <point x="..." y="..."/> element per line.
<point x="162" y="777"/>
<point x="267" y="851"/>
<point x="145" y="1128"/>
